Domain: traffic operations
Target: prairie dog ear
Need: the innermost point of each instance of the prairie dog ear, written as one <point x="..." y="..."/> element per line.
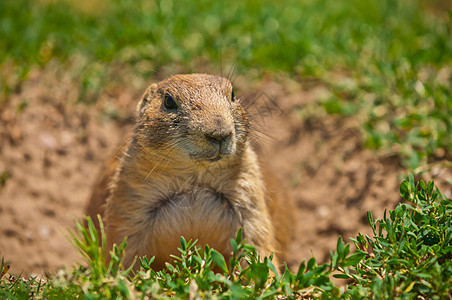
<point x="146" y="98"/>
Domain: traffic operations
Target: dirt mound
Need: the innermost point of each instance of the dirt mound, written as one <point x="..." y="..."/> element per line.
<point x="51" y="149"/>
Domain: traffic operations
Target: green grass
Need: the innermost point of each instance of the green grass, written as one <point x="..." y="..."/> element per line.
<point x="387" y="63"/>
<point x="409" y="256"/>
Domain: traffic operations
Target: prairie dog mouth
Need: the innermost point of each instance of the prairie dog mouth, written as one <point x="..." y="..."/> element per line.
<point x="215" y="158"/>
<point x="206" y="148"/>
<point x="206" y="157"/>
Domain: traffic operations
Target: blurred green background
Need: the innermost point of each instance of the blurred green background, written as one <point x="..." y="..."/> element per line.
<point x="387" y="62"/>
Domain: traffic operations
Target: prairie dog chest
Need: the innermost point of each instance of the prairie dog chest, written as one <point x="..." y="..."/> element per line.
<point x="192" y="205"/>
<point x="195" y="212"/>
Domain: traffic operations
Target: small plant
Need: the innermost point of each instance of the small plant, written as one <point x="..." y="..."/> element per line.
<point x="195" y="272"/>
<point x="100" y="279"/>
<point x="408" y="257"/>
<point x="4" y="176"/>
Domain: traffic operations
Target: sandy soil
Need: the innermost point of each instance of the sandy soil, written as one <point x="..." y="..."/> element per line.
<point x="52" y="148"/>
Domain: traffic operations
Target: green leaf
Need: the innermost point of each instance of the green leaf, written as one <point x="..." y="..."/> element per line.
<point x="346" y="250"/>
<point x="354" y="258"/>
<point x="272" y="267"/>
<point x="311" y="264"/>
<point x="258" y="272"/>
<point x="333" y="259"/>
<point x="405" y="190"/>
<point x="235" y="248"/>
<point x="122" y="287"/>
<point x="219" y="260"/>
<point x="430" y="187"/>
<point x="340" y="248"/>
<point x="411" y="180"/>
<point x="342" y="276"/>
<point x="370" y="221"/>
<point x="170" y="267"/>
<point x="423" y="275"/>
<point x="422" y="184"/>
<point x="238" y="237"/>
<point x="183" y="243"/>
<point x="301" y="270"/>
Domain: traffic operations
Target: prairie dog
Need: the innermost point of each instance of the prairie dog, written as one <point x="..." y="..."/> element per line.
<point x="190" y="170"/>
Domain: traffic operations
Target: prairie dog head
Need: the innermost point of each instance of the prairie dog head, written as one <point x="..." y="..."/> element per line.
<point x="192" y="117"/>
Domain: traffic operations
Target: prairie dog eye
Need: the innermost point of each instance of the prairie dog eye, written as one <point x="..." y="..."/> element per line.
<point x="232" y="96"/>
<point x="169" y="102"/>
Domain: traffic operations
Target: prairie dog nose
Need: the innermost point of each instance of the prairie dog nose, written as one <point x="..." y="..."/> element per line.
<point x="220" y="133"/>
<point x="218" y="137"/>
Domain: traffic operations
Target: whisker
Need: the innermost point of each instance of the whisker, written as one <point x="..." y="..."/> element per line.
<point x="232" y="69"/>
<point x="150" y="172"/>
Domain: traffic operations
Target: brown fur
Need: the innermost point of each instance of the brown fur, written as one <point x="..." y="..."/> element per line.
<point x="190" y="171"/>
